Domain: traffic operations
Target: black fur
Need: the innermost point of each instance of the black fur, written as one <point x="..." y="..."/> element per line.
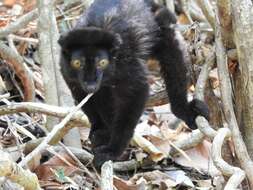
<point x="127" y="33"/>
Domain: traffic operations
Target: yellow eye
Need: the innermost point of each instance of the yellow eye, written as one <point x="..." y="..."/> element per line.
<point x="76" y="64"/>
<point x="103" y="63"/>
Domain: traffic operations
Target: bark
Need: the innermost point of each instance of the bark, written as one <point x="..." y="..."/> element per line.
<point x="224" y="11"/>
<point x="47" y="59"/>
<point x="56" y="90"/>
<point x="226" y="87"/>
<point x="243" y="32"/>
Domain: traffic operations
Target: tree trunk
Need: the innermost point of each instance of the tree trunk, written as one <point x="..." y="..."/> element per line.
<point x="243" y="32"/>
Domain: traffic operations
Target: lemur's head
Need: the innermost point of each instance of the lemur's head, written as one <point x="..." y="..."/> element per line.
<point x="88" y="56"/>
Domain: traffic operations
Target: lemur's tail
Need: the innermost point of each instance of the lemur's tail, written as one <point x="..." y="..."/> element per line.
<point x="174" y="71"/>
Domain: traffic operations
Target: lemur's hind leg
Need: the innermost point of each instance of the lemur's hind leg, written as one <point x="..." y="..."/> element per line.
<point x="174" y="71"/>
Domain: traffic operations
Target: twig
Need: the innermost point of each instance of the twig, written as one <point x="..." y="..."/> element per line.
<point x="11" y="44"/>
<point x="81" y="154"/>
<point x="205" y="128"/>
<point x="185" y="6"/>
<point x="16" y="62"/>
<point x="7" y="95"/>
<point x="203" y="76"/>
<point x="20" y="38"/>
<point x="31" y="107"/>
<point x="80" y="164"/>
<point x="19" y="23"/>
<point x="207" y="10"/>
<point x="54" y="131"/>
<point x="107" y="176"/>
<point x="170" y="5"/>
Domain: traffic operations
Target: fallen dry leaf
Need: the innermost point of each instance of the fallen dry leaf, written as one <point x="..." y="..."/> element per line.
<point x="156" y="178"/>
<point x="121" y="184"/>
<point x="155" y="154"/>
<point x="44" y="171"/>
<point x="200" y="158"/>
<point x="162" y="144"/>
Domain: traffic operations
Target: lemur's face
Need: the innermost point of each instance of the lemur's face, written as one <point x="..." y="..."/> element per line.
<point x="87" y="56"/>
<point x="90" y="67"/>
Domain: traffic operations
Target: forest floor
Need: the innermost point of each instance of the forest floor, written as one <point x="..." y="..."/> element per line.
<point x="154" y="158"/>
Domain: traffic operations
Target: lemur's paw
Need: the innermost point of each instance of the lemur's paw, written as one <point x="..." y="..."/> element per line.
<point x="197" y="108"/>
<point x="101" y="155"/>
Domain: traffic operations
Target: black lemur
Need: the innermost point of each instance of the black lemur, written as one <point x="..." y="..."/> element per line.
<point x="105" y="54"/>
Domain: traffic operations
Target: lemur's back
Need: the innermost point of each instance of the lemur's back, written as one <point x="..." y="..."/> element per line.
<point x="132" y="19"/>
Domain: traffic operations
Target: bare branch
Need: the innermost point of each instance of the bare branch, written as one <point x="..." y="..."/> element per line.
<point x="19" y="38"/>
<point x="237" y="175"/>
<point x="16" y="62"/>
<point x="31" y="107"/>
<point x="207" y="10"/>
<point x="107" y="176"/>
<point x="203" y="76"/>
<point x="19" y="23"/>
<point x="54" y="131"/>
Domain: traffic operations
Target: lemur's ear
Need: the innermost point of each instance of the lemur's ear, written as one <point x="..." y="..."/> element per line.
<point x="62" y="41"/>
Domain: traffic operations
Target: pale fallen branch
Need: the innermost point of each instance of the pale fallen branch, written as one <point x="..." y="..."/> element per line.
<point x="31" y="107"/>
<point x="20" y="38"/>
<point x="54" y="131"/>
<point x="82" y="155"/>
<point x="79" y="119"/>
<point x="107" y="176"/>
<point x="205" y="128"/>
<point x="17" y="174"/>
<point x="130" y="165"/>
<point x="193" y="139"/>
<point x="236" y="174"/>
